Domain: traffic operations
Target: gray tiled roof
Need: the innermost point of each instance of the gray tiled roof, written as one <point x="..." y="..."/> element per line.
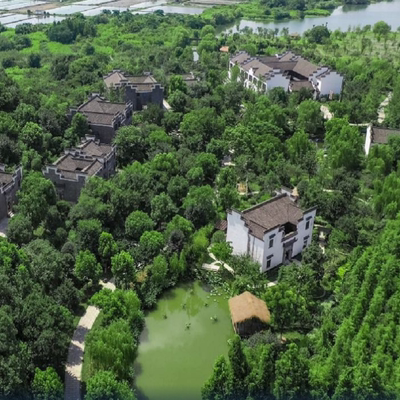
<point x="99" y="118"/>
<point x="98" y="105"/>
<point x="304" y="67"/>
<point x="297" y="85"/>
<point x="5" y="178"/>
<point x="381" y="135"/>
<point x="92" y="148"/>
<point x="270" y="214"/>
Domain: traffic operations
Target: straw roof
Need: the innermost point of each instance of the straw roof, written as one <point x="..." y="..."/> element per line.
<point x="247" y="306"/>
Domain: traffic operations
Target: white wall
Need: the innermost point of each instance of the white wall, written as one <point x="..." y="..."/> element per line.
<point x="330" y="83"/>
<point x="256" y="249"/>
<point x="302" y="232"/>
<point x="276" y="249"/>
<point x="278" y="80"/>
<point x="318" y="72"/>
<point x="237" y="233"/>
<point x="367" y="144"/>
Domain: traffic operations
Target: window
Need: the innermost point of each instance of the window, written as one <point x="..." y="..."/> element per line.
<point x="271" y="241"/>
<point x="308" y="223"/>
<point x="269" y="260"/>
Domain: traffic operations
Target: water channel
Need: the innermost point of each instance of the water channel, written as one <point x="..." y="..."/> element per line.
<point x="182" y="338"/>
<point x="342" y="18"/>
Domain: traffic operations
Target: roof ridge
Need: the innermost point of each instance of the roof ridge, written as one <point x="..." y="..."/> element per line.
<point x="271" y="200"/>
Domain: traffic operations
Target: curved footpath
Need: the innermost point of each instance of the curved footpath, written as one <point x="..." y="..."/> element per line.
<point x="73" y="368"/>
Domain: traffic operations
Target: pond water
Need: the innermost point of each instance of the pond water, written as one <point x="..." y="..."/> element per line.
<point x="177" y="353"/>
<point x="342" y="18"/>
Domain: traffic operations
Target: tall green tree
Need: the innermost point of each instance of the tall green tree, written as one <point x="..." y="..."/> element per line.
<point x="47" y="385"/>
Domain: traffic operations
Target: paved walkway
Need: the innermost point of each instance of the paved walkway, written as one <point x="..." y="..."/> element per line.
<point x="216" y="264"/>
<point x="73" y="368"/>
<point x="382" y="106"/>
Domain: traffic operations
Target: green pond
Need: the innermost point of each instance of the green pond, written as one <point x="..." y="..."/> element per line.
<point x="180" y="342"/>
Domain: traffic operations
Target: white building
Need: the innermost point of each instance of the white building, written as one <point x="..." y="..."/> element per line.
<point x="376" y="135"/>
<point x="289" y="71"/>
<point x="271" y="232"/>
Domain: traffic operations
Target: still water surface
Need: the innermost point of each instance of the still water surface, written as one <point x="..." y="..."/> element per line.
<point x="341" y="18"/>
<point x="175" y="359"/>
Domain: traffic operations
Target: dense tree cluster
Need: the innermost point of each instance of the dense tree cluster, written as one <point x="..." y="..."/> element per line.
<point x="151" y="224"/>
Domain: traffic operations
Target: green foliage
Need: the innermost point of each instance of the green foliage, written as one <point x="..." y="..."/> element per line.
<point x="87" y="267"/>
<point x="112" y="348"/>
<point x="138" y="223"/>
<point x="20" y="230"/>
<point x="47" y="385"/>
<point x="104" y="385"/>
<point x="288" y="308"/>
<point x="120" y="304"/>
<point x="318" y="34"/>
<point x="123" y="269"/>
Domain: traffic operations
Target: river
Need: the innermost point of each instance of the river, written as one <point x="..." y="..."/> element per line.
<point x="342" y="18"/>
<point x="180" y="343"/>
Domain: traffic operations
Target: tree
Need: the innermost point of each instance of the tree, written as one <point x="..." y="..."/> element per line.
<point x="34" y="60"/>
<point x="123" y="269"/>
<point x="137" y="223"/>
<point x="47" y="385"/>
<point x="219" y="385"/>
<point x="318" y="34"/>
<point x="87" y="267"/>
<point x="239" y="365"/>
<point x="32" y="136"/>
<point x="177" y="189"/>
<point x="302" y="151"/>
<point x="107" y="248"/>
<point x="381" y="28"/>
<point x="20" y="230"/>
<point x="35" y="196"/>
<point x="310" y="117"/>
<point x="228" y="197"/>
<point x="199" y="205"/>
<point x="291" y="375"/>
<point x="162" y="208"/>
<point x="151" y="243"/>
<point x="104" y="385"/>
<point x="287" y="306"/>
<point x="132" y="145"/>
<point x="120" y="304"/>
<point x="176" y="83"/>
<point x="209" y="164"/>
<point x="200" y="126"/>
<point x="344" y="145"/>
<point x="79" y="128"/>
<point x="112" y="348"/>
<point x="87" y="234"/>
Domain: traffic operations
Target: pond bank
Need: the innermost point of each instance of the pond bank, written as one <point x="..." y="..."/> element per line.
<point x="181" y="340"/>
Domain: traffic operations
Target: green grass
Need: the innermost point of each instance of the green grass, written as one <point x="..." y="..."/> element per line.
<point x="317" y="12"/>
<point x="59" y="48"/>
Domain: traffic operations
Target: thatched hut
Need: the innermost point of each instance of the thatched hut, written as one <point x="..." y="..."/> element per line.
<point x="249" y="314"/>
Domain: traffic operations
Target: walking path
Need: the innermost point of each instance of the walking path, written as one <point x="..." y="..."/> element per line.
<point x="381" y="109"/>
<point x="73" y="368"/>
<point x="216" y="264"/>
